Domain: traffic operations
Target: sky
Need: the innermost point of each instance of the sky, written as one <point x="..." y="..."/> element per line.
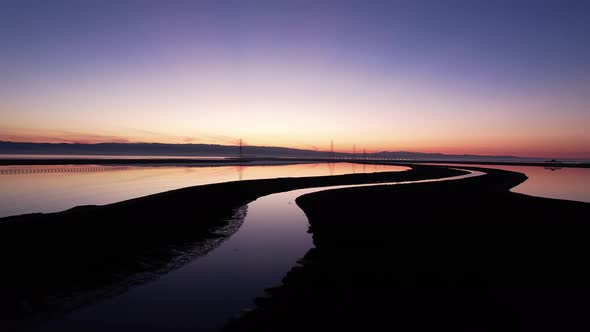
<point x="473" y="77"/>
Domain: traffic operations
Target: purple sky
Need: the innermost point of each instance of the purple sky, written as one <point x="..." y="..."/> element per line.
<point x="492" y="77"/>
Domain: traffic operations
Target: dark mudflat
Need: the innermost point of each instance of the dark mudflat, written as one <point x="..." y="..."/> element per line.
<point x="465" y="255"/>
<point x="548" y="164"/>
<point x="55" y="262"/>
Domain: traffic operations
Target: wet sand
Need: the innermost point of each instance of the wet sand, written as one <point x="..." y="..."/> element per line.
<point x="466" y="255"/>
<point x="55" y="262"/>
<point x="548" y="164"/>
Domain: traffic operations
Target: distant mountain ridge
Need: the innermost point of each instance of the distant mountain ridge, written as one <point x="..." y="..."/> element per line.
<point x="151" y="149"/>
<point x="215" y="150"/>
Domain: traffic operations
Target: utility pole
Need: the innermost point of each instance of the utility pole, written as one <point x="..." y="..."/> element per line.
<point x="364" y="160"/>
<point x="332" y="150"/>
<point x="353" y="151"/>
<point x="241" y="149"/>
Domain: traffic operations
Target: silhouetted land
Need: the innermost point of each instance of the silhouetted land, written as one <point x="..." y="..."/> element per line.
<point x="163" y="150"/>
<point x="465" y="255"/>
<point x="261" y="161"/>
<point x="162" y="160"/>
<point x="151" y="149"/>
<point x="57" y="261"/>
<point x="499" y="163"/>
<point x="123" y="161"/>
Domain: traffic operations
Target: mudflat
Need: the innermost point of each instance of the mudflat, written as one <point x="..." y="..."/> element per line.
<point x="55" y="262"/>
<point x="464" y="255"/>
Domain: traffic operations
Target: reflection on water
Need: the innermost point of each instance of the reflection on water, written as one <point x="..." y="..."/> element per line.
<point x="550" y="182"/>
<point x="28" y="189"/>
<point x="564" y="183"/>
<point x="92" y="156"/>
<point x="202" y="295"/>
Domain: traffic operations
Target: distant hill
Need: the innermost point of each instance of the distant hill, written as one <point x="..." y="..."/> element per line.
<point x="214" y="150"/>
<point x="152" y="149"/>
<point x="455" y="157"/>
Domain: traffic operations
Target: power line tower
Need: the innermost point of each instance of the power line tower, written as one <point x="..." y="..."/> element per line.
<point x="332" y="156"/>
<point x="241" y="149"/>
<point x="364" y="160"/>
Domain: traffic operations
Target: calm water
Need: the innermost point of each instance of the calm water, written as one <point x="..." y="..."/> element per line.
<point x="69" y="186"/>
<point x="96" y="156"/>
<point x="57" y="188"/>
<point x="203" y="294"/>
<point x="564" y="183"/>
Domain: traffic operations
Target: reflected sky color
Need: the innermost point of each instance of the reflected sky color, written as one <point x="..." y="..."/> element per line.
<point x="274" y="234"/>
<point x="501" y="77"/>
<point x="52" y="192"/>
<point x="561" y="183"/>
<point x="564" y="183"/>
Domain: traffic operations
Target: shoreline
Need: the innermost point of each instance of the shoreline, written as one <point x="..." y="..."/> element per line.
<point x="119" y="242"/>
<point x="467" y="255"/>
<point x="144" y="236"/>
<point x="234" y="161"/>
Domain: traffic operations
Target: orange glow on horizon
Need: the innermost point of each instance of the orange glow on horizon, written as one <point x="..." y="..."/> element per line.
<point x="304" y="106"/>
<point x="300" y="76"/>
<point x="574" y="149"/>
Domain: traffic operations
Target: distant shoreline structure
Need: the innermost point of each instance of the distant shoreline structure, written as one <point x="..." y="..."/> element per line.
<point x="158" y="151"/>
<point x="262" y="162"/>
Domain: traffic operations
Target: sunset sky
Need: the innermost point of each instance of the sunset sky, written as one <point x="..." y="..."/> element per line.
<point x="477" y="77"/>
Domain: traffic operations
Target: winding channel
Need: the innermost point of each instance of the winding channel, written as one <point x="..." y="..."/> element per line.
<point x="203" y="294"/>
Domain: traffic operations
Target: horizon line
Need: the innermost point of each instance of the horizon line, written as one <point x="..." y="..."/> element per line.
<point x="284" y="147"/>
